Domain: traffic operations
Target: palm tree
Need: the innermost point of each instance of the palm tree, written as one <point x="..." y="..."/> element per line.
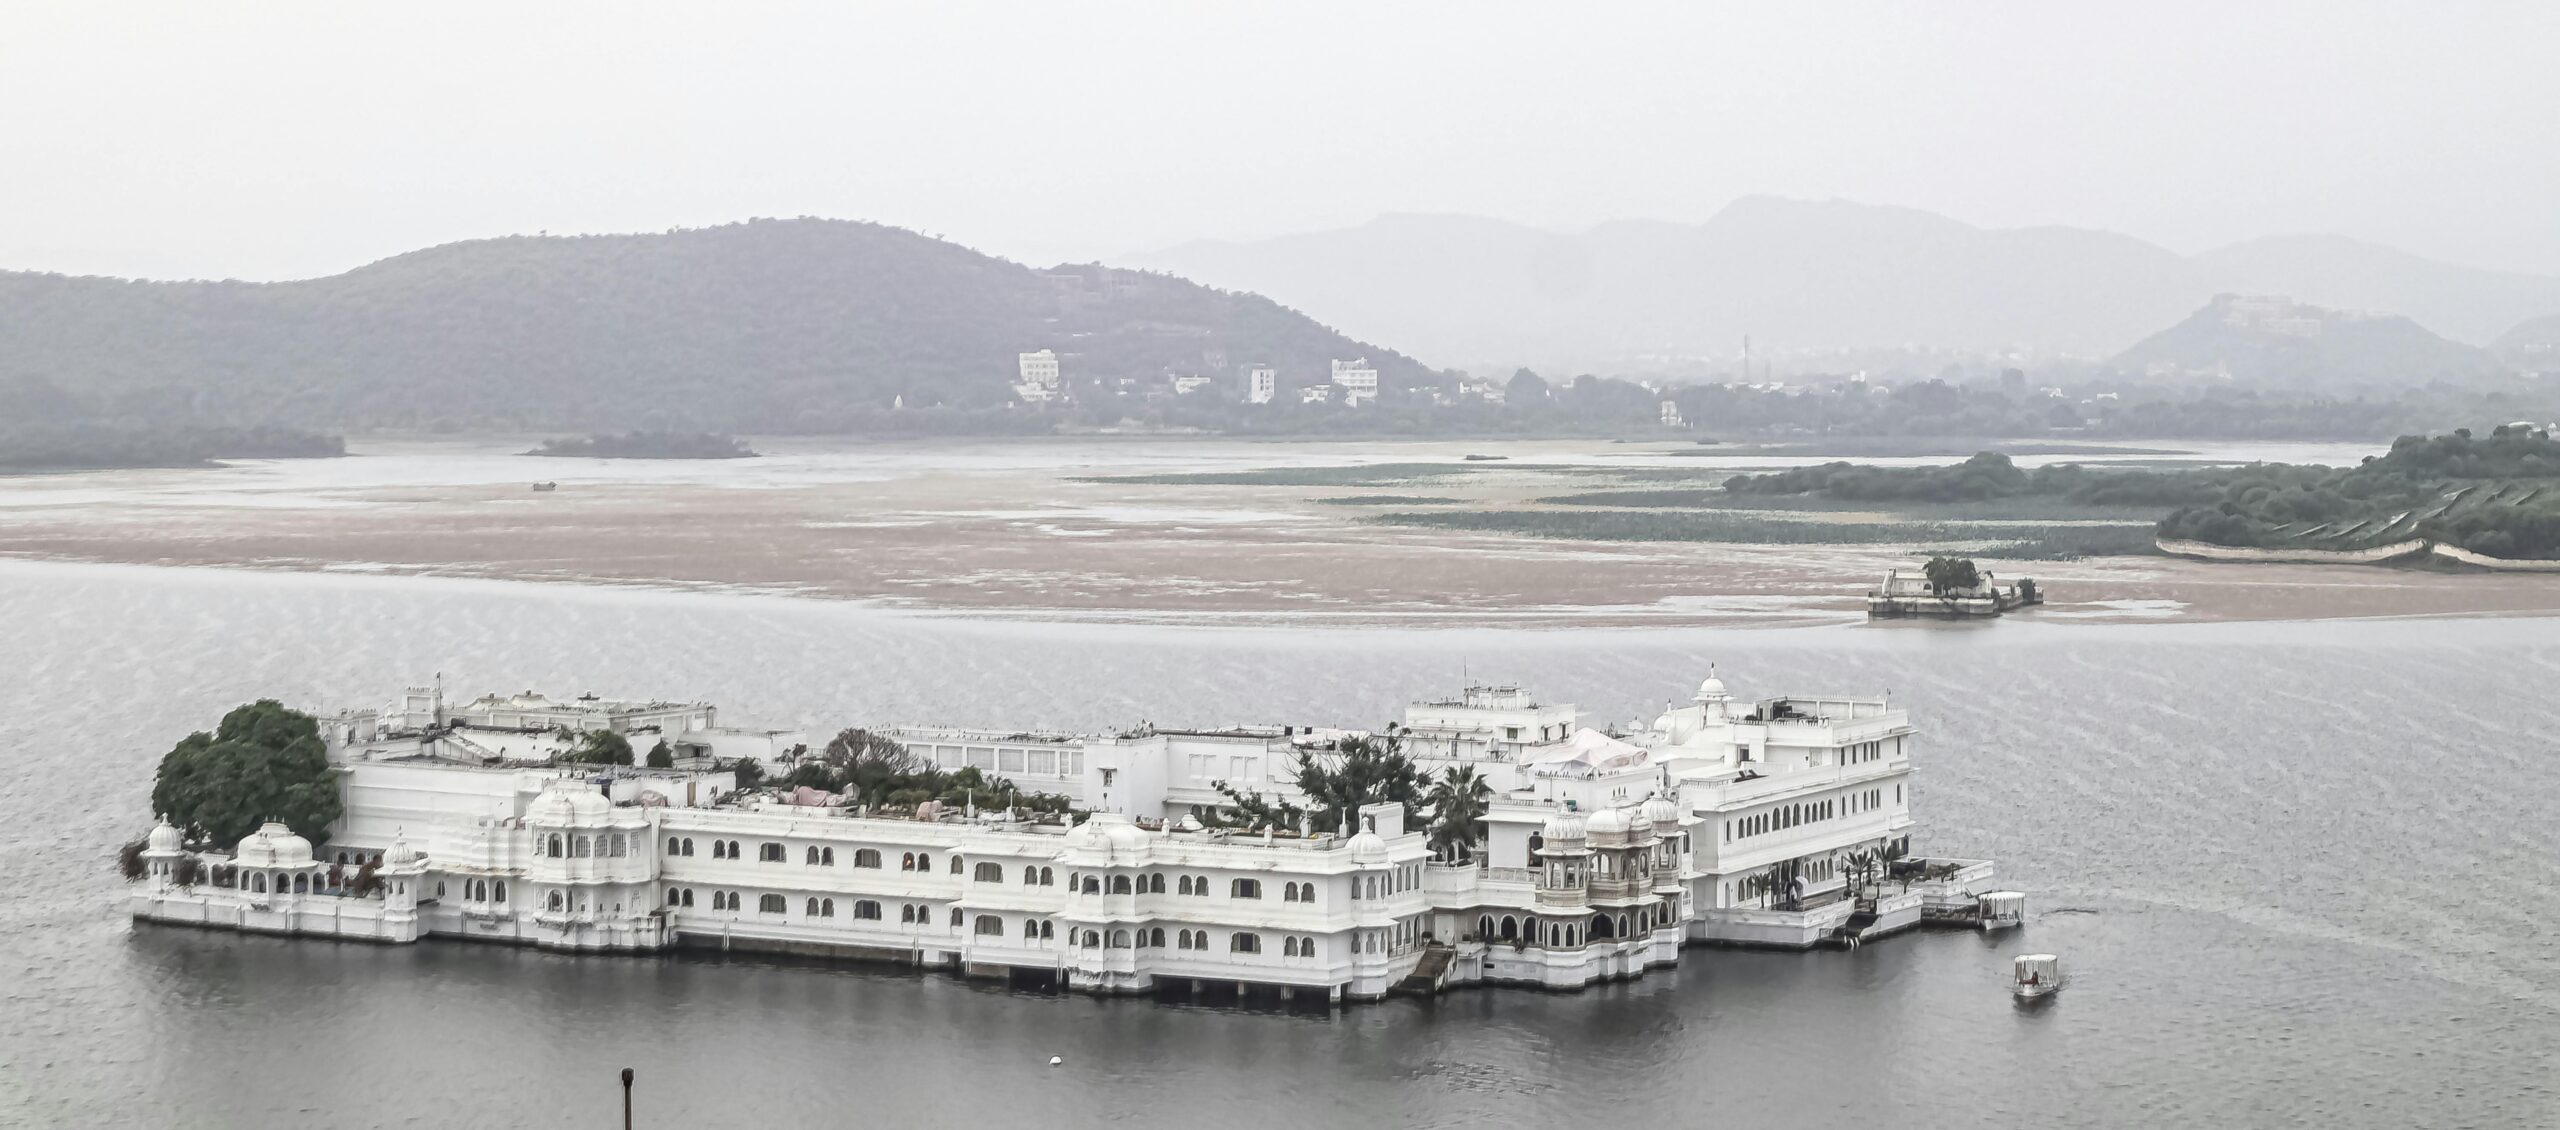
<point x="1458" y="799"/>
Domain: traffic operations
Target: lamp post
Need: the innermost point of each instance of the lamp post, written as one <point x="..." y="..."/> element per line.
<point x="626" y="1098"/>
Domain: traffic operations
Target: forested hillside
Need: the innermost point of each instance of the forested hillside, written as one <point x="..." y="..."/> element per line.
<point x="773" y="325"/>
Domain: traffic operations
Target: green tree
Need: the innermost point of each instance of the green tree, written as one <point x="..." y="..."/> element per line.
<point x="264" y="762"/>
<point x="600" y="747"/>
<point x="1458" y="799"/>
<point x="660" y="757"/>
<point x="1336" y="784"/>
<point x="1951" y="574"/>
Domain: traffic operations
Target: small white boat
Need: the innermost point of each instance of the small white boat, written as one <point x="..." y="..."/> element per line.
<point x="2035" y="976"/>
<point x="2000" y="910"/>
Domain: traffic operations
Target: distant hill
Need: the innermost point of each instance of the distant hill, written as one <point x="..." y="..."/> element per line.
<point x="2533" y="344"/>
<point x="1807" y="274"/>
<point x="2277" y="342"/>
<point x="763" y="326"/>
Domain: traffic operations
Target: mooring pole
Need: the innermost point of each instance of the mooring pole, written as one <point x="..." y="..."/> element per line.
<point x="626" y="1098"/>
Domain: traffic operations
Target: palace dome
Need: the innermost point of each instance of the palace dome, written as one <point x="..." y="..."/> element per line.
<point x="1563" y="827"/>
<point x="1662" y="811"/>
<point x="167" y="838"/>
<point x="1125" y="836"/>
<point x="569" y="801"/>
<point x="273" y="845"/>
<point x="1607" y="822"/>
<point x="401" y="854"/>
<point x="1367" y="846"/>
<point x="1712" y="690"/>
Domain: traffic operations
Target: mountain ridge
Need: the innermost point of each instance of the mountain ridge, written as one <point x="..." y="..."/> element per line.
<point x="1831" y="274"/>
<point x="760" y="325"/>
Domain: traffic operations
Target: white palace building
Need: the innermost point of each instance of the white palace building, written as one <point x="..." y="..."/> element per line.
<point x="1721" y="821"/>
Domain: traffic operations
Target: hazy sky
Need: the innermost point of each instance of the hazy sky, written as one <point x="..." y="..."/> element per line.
<point x="277" y="140"/>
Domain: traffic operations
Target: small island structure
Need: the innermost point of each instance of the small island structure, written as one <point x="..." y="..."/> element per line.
<point x="1949" y="588"/>
<point x="1488" y="838"/>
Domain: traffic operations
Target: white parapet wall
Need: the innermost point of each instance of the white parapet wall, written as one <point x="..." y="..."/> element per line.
<point x="2501" y="564"/>
<point x="2207" y="551"/>
<point x="312" y="916"/>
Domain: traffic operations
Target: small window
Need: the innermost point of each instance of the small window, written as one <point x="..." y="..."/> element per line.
<point x="554" y="901"/>
<point x="1047" y="932"/>
<point x="1185" y="886"/>
<point x="688" y="896"/>
<point x="1119" y="884"/>
<point x="1093" y="884"/>
<point x="989" y="925"/>
<point x="502" y="891"/>
<point x="1030" y="930"/>
<point x="719" y="850"/>
<point x="989" y="873"/>
<point x="675" y="846"/>
<point x="927" y="862"/>
<point x="866" y="857"/>
<point x="1200" y="885"/>
<point x="1245" y="943"/>
<point x="772" y="904"/>
<point x="810" y="857"/>
<point x="1245" y="889"/>
<point x="1048" y="878"/>
<point x="866" y="910"/>
<point x="826" y="857"/>
<point x="1030" y="876"/>
<point x="827" y="908"/>
<point x="1288" y="947"/>
<point x="771" y="853"/>
<point x="955" y="918"/>
<point x="688" y="846"/>
<point x="907" y="862"/>
<point x="812" y="912"/>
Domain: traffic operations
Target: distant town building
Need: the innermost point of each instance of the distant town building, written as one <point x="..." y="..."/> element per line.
<point x="1262" y="384"/>
<point x="1670" y="413"/>
<point x="1489" y="391"/>
<point x="1357" y="379"/>
<point x="1185" y="386"/>
<point x="1039" y="377"/>
<point x="1040" y="368"/>
<point x="1315" y="394"/>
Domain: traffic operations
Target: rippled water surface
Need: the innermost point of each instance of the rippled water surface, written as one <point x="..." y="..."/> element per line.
<point x="2304" y="873"/>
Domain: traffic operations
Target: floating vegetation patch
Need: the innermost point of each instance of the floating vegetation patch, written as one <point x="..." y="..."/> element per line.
<point x="1387" y="500"/>
<point x="2015" y="539"/>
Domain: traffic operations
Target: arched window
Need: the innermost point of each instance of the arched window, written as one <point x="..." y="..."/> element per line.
<point x="1092" y="939"/>
<point x="1200" y="886"/>
<point x="1245" y="889"/>
<point x="827" y="908"/>
<point x="772" y="904"/>
<point x="302" y="884"/>
<point x="719" y="850"/>
<point x="688" y="846"/>
<point x="770" y="852"/>
<point x="1289" y="947"/>
<point x="501" y="896"/>
<point x="1306" y="947"/>
<point x="1184" y="887"/>
<point x="1046" y="932"/>
<point x="1244" y="943"/>
<point x="688" y="896"/>
<point x="809" y="858"/>
<point x="1093" y="884"/>
<point x="1182" y="939"/>
<point x="621" y="845"/>
<point x="955" y="918"/>
<point x="1030" y="930"/>
<point x="988" y="925"/>
<point x="1510" y="928"/>
<point x="812" y="912"/>
<point x="907" y="912"/>
<point x="342" y="859"/>
<point x="907" y="862"/>
<point x="1155" y="937"/>
<point x="989" y="873"/>
<point x="554" y="901"/>
<point x="927" y="861"/>
<point x="675" y="846"/>
<point x="671" y="896"/>
<point x="1047" y="878"/>
<point x="733" y="850"/>
<point x="1120" y="939"/>
<point x="1030" y="876"/>
<point x="1537" y="841"/>
<point x="866" y="857"/>
<point x="1119" y="884"/>
<point x="258" y="883"/>
<point x="864" y="909"/>
<point x="554" y="848"/>
<point x="826" y="857"/>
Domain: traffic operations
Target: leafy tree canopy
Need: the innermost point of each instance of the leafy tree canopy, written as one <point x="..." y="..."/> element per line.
<point x="264" y="762"/>
<point x="600" y="747"/>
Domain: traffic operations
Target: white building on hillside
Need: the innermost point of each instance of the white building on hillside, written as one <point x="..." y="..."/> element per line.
<point x="1357" y="379"/>
<point x="1262" y="384"/>
<point x="1781" y="822"/>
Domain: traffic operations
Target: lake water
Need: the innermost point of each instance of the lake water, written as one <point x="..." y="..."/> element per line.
<point x="2304" y="873"/>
